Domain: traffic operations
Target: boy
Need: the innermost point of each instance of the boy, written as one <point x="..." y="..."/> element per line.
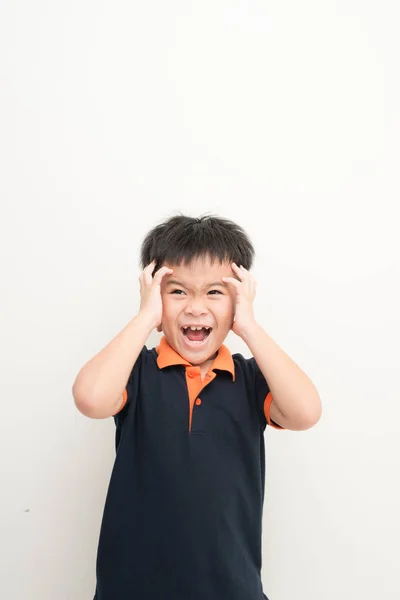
<point x="183" y="513"/>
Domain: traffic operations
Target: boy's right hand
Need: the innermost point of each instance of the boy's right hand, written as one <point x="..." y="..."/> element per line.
<point x="150" y="293"/>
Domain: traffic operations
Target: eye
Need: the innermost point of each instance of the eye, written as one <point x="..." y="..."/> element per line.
<point x="179" y="292"/>
<point x="213" y="292"/>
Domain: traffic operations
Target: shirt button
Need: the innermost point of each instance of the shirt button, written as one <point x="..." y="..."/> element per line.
<point x="198" y="401"/>
<point x="191" y="374"/>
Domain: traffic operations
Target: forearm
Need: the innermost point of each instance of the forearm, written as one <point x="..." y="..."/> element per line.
<point x="294" y="394"/>
<point x="100" y="383"/>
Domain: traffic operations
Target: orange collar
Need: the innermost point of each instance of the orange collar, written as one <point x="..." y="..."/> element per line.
<point x="168" y="357"/>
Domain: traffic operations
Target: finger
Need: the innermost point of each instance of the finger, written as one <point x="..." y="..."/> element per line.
<point x="142" y="279"/>
<point x="232" y="281"/>
<point x="150" y="267"/>
<point x="237" y="270"/>
<point x="161" y="273"/>
<point x="241" y="270"/>
<point x="147" y="272"/>
<point x="245" y="275"/>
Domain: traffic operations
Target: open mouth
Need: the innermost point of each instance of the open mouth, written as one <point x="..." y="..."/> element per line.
<point x="196" y="335"/>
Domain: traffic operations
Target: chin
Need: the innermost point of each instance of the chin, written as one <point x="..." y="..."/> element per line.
<point x="195" y="352"/>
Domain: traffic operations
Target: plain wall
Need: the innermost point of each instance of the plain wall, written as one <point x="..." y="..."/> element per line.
<point x="284" y="116"/>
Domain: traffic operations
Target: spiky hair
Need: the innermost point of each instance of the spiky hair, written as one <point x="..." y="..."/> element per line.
<point x="181" y="239"/>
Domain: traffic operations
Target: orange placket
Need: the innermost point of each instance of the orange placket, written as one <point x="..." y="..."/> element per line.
<point x="195" y="385"/>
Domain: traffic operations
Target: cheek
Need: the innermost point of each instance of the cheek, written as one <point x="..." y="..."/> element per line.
<point x="170" y="308"/>
<point x="230" y="300"/>
<point x="226" y="310"/>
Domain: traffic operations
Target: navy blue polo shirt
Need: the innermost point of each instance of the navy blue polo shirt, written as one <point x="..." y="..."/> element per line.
<point x="183" y="513"/>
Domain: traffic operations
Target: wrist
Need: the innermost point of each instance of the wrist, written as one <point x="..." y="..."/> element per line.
<point x="249" y="330"/>
<point x="146" y="321"/>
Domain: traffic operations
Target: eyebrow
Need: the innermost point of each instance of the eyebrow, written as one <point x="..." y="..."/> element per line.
<point x="215" y="283"/>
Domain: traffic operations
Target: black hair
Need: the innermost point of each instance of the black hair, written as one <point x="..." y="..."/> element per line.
<point x="181" y="239"/>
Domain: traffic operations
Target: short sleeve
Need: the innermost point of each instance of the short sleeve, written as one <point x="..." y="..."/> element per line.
<point x="130" y="394"/>
<point x="263" y="395"/>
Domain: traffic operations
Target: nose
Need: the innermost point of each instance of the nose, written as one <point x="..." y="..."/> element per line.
<point x="195" y="308"/>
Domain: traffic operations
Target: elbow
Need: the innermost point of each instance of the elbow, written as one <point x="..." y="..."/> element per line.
<point x="309" y="418"/>
<point x="83" y="403"/>
<point x="87" y="403"/>
<point x="93" y="406"/>
<point x="313" y="416"/>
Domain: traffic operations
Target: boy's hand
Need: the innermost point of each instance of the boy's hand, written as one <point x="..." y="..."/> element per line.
<point x="245" y="291"/>
<point x="150" y="293"/>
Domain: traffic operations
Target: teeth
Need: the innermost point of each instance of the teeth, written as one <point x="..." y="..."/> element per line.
<point x="196" y="328"/>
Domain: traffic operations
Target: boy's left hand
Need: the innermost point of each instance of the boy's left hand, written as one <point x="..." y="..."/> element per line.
<point x="245" y="291"/>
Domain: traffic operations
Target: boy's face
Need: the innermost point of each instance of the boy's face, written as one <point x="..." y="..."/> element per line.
<point x="194" y="295"/>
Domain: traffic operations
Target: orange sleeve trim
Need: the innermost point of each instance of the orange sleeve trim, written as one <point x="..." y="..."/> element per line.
<point x="267" y="409"/>
<point x="124" y="401"/>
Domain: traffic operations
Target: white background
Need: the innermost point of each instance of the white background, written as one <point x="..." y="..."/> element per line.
<point x="284" y="116"/>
